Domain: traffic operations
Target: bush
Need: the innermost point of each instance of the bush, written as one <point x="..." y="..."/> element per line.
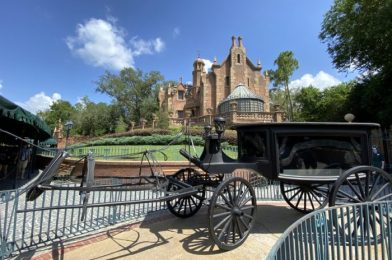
<point x="143" y="140"/>
<point x="149" y="136"/>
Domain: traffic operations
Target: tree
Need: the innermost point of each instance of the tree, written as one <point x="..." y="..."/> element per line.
<point x="371" y="100"/>
<point x="359" y="33"/>
<point x="95" y="119"/>
<point x="308" y="99"/>
<point x="131" y="89"/>
<point x="329" y="105"/>
<point x="59" y="110"/>
<point x="121" y="126"/>
<point x="286" y="65"/>
<point x="334" y="103"/>
<point x="163" y="120"/>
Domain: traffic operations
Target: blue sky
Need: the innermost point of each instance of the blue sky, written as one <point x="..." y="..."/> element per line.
<point x="58" y="49"/>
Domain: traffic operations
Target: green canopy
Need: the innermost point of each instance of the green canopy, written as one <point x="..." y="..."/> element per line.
<point x="21" y="122"/>
<point x="49" y="142"/>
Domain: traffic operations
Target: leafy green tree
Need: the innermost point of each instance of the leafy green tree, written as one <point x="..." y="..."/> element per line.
<point x="334" y="103"/>
<point x="95" y="119"/>
<point x="287" y="64"/>
<point x="308" y="99"/>
<point x="131" y="89"/>
<point x="59" y="110"/>
<point x="277" y="97"/>
<point x="163" y="120"/>
<point x="329" y="105"/>
<point x="148" y="107"/>
<point x="121" y="126"/>
<point x="359" y="33"/>
<point x="371" y="100"/>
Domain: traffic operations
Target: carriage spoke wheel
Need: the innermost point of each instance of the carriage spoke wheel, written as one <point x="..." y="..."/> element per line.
<point x="362" y="224"/>
<point x="231" y="213"/>
<point x="187" y="206"/>
<point x="305" y="197"/>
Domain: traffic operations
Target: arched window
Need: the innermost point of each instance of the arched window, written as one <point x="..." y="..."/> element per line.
<point x="238" y="58"/>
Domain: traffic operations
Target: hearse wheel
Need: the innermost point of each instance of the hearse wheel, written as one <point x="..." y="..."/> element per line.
<point x="305" y="197"/>
<point x="231" y="213"/>
<point x="357" y="185"/>
<point x="185" y="207"/>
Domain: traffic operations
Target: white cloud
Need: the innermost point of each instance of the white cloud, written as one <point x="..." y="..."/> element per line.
<point x="322" y="80"/>
<point x="102" y="43"/>
<point x="1" y="84"/>
<point x="141" y="46"/>
<point x="159" y="45"/>
<point x="39" y="102"/>
<point x="207" y="65"/>
<point x="176" y="32"/>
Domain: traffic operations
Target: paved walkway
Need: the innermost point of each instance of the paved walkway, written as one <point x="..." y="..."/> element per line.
<point x="172" y="238"/>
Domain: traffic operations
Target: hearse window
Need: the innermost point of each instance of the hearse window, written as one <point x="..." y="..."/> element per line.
<point x="252" y="145"/>
<point x="316" y="153"/>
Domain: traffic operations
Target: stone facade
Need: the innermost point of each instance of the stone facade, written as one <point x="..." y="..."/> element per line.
<point x="209" y="88"/>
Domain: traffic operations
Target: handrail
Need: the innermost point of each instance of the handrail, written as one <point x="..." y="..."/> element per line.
<point x="352" y="231"/>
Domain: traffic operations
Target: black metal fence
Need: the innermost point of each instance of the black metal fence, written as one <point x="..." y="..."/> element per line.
<point x="357" y="231"/>
<point x="56" y="214"/>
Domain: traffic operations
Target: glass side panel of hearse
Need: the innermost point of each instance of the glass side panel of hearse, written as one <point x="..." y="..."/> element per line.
<point x="320" y="155"/>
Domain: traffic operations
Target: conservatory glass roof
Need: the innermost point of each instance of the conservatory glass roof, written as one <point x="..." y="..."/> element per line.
<point x="240" y="92"/>
<point x="246" y="101"/>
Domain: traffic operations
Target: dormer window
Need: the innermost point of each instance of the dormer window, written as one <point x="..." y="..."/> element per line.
<point x="238" y="58"/>
<point x="180" y="95"/>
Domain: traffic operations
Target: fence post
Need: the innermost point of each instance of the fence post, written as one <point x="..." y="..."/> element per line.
<point x="321" y="249"/>
<point x="89" y="182"/>
<point x="6" y="247"/>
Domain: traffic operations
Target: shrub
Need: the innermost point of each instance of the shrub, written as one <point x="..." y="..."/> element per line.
<point x="143" y="140"/>
<point x="149" y="136"/>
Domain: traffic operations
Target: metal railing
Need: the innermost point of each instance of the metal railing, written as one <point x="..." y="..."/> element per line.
<point x="356" y="231"/>
<point x="56" y="216"/>
<point x="27" y="225"/>
<point x="124" y="152"/>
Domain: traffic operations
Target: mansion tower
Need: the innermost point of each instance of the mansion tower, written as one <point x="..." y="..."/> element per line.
<point x="234" y="89"/>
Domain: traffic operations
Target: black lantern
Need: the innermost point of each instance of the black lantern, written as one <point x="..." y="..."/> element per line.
<point x="68" y="126"/>
<point x="207" y="130"/>
<point x="219" y="125"/>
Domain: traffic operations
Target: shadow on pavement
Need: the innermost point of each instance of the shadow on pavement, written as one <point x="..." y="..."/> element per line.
<point x="270" y="219"/>
<point x="161" y="233"/>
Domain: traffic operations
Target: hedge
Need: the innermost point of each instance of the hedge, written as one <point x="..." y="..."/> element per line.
<point x="148" y="137"/>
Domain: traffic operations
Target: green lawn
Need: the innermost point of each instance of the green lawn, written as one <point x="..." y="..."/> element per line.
<point x="129" y="152"/>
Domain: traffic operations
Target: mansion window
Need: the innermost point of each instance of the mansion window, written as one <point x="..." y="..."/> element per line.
<point x="238" y="58"/>
<point x="180" y="95"/>
<point x="227" y="81"/>
<point x="250" y="106"/>
<point x="180" y="114"/>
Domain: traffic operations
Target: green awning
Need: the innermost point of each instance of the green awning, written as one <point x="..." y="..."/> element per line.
<point x="21" y="122"/>
<point x="50" y="141"/>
